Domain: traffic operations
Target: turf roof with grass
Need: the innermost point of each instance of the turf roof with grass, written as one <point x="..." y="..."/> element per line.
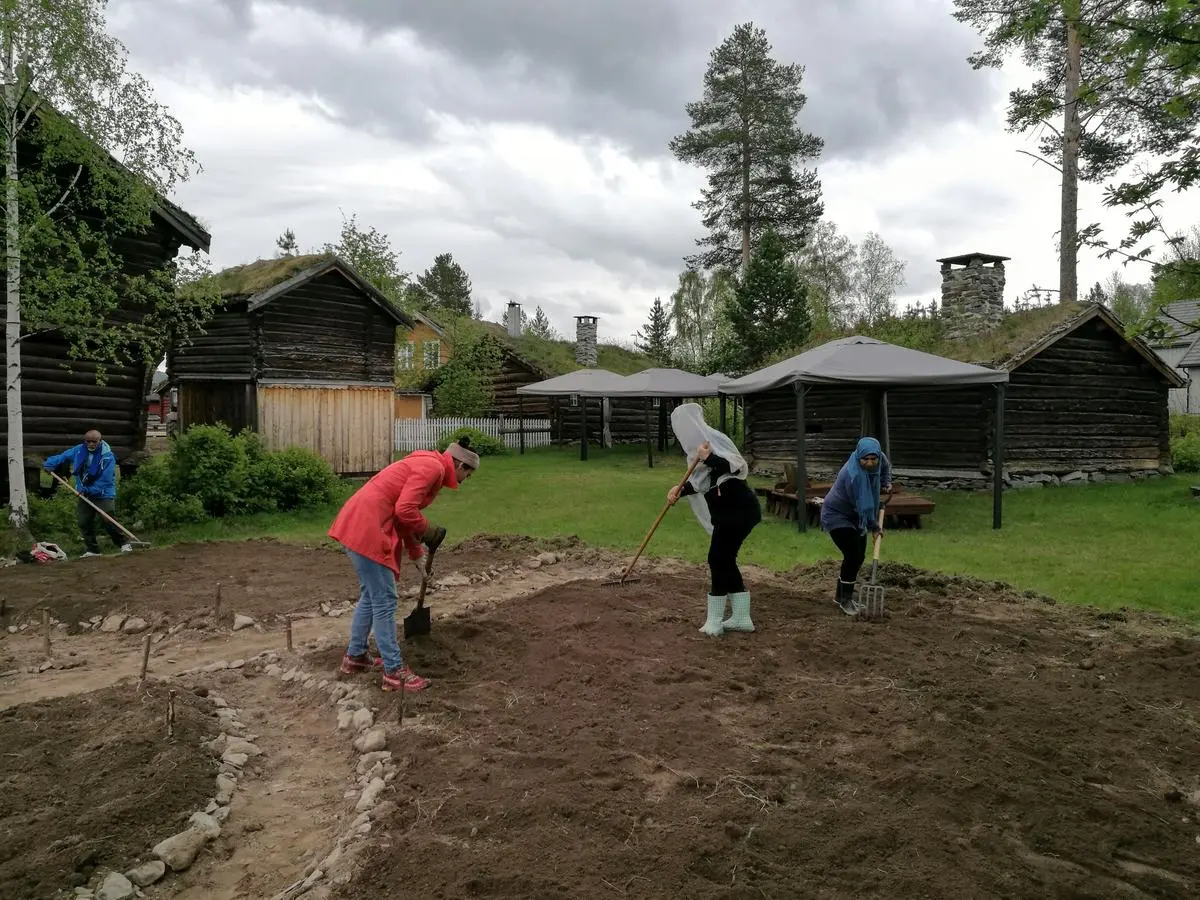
<point x="253" y="278"/>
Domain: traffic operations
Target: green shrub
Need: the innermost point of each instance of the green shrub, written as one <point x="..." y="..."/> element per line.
<point x="292" y="479"/>
<point x="207" y="462"/>
<point x="483" y="444"/>
<point x="150" y="499"/>
<point x="53" y="518"/>
<point x="209" y="472"/>
<point x="1185" y="452"/>
<point x="1183" y="425"/>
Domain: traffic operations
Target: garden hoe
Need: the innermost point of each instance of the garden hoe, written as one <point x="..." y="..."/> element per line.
<point x="133" y="538"/>
<point x="870" y="596"/>
<point x="625" y="579"/>
<point x="418" y="622"/>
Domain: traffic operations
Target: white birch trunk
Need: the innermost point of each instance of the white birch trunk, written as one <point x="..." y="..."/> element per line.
<point x="18" y="500"/>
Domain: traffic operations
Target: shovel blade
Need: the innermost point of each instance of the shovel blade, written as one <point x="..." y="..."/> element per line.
<point x="417" y="623"/>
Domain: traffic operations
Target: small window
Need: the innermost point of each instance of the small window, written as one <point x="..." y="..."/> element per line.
<point x="433" y="354"/>
<point x="404" y="355"/>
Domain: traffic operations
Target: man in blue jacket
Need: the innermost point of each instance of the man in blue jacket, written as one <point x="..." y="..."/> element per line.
<point x="95" y="469"/>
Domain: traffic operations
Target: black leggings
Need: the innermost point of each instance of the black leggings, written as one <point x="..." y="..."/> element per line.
<point x="727" y="540"/>
<point x="854" y="550"/>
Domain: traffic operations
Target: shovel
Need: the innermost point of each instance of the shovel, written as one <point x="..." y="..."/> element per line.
<point x="870" y="596"/>
<point x="133" y="538"/>
<point x="418" y="622"/>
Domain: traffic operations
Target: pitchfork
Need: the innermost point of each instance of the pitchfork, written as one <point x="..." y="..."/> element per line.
<point x="871" y="603"/>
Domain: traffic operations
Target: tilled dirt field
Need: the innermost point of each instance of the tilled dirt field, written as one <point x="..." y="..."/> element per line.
<point x="92" y="781"/>
<point x="587" y="742"/>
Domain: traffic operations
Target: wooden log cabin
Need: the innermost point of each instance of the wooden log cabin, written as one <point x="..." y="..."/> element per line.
<point x="303" y="352"/>
<point x="62" y="398"/>
<point x="1083" y="402"/>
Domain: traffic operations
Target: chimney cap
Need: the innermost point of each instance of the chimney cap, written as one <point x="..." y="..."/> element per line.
<point x="586" y="318"/>
<point x="966" y="259"/>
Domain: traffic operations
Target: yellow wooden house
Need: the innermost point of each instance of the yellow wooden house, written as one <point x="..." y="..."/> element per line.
<point x="420" y="350"/>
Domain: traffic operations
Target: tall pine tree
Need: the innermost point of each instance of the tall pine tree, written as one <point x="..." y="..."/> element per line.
<point x="539" y="326"/>
<point x="744" y="132"/>
<point x="444" y="286"/>
<point x="654" y="338"/>
<point x="769" y="310"/>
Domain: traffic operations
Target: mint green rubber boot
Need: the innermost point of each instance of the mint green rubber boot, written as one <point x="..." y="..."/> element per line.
<point x="716" y="609"/>
<point x="740" y="620"/>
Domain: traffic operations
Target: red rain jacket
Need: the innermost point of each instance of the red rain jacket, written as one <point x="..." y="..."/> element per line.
<point x="383" y="517"/>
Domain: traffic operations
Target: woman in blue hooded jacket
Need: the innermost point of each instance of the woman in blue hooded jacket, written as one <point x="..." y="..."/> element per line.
<point x="851" y="511"/>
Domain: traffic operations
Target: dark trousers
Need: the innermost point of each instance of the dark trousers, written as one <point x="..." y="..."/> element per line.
<point x="87" y="519"/>
<point x="727" y="540"/>
<point x="853" y="546"/>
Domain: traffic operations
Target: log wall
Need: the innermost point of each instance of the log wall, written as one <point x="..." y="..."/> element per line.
<point x="223" y="348"/>
<point x="1088" y="403"/>
<point x="326" y="330"/>
<point x="61" y="399"/>
<point x="515" y="373"/>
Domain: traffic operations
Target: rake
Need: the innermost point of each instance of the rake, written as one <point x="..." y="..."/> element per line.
<point x="133" y="538"/>
<point x="871" y="604"/>
<point x="625" y="579"/>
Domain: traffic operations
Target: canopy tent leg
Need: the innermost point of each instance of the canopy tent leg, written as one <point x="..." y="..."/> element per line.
<point x="649" y="434"/>
<point x="583" y="402"/>
<point x="885" y="434"/>
<point x="521" y="421"/>
<point x="998" y="458"/>
<point x="801" y="468"/>
<point x="723" y="428"/>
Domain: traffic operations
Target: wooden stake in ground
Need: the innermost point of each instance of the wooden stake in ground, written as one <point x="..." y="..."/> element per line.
<point x="3" y="607"/>
<point x="171" y="715"/>
<point x="217" y="602"/>
<point x="46" y="631"/>
<point x="145" y="661"/>
<point x="289" y="634"/>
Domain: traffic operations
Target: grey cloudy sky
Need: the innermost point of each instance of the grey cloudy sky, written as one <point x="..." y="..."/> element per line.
<point x="529" y="137"/>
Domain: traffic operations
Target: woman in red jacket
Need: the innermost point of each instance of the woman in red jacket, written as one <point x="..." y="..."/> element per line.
<point x="377" y="524"/>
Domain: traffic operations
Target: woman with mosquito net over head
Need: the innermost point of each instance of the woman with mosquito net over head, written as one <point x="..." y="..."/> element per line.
<point x="726" y="508"/>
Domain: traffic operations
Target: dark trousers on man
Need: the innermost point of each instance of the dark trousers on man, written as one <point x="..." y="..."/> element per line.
<point x="87" y="518"/>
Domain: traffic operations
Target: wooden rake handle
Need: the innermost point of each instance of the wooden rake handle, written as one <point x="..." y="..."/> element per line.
<point x="878" y="537"/>
<point x="129" y="534"/>
<point x="654" y="527"/>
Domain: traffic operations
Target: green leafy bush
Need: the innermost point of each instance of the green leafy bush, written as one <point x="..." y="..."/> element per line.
<point x="1185" y="452"/>
<point x="209" y="472"/>
<point x="1183" y="425"/>
<point x="483" y="444"/>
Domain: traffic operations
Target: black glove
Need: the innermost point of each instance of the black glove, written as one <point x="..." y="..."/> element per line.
<point x="433" y="537"/>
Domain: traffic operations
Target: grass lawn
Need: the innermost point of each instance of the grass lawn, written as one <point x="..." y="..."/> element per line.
<point x="1106" y="545"/>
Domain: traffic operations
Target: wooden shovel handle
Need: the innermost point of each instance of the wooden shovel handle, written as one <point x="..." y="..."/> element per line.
<point x="654" y="527"/>
<point x="878" y="536"/>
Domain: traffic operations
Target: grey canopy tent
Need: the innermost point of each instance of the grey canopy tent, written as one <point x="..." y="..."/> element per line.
<point x="580" y="383"/>
<point x="651" y="384"/>
<point x="875" y="366"/>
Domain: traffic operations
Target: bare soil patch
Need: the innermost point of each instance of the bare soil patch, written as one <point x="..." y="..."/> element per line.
<point x="92" y="781"/>
<point x="261" y="578"/>
<point x="586" y="742"/>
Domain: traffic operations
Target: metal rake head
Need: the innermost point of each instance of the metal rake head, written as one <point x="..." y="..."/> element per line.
<point x="871" y="603"/>
<point x="621" y="582"/>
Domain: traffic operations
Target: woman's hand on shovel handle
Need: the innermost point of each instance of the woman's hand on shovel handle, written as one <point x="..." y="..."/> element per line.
<point x="704" y="450"/>
<point x="673" y="494"/>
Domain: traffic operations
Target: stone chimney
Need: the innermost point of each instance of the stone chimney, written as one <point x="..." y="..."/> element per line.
<point x="972" y="293"/>
<point x="512" y="318"/>
<point x="585" y="340"/>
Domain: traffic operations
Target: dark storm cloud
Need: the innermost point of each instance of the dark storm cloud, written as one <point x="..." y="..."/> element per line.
<point x="876" y="73"/>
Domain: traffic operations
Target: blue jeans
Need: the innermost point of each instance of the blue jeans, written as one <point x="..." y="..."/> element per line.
<point x="376" y="611"/>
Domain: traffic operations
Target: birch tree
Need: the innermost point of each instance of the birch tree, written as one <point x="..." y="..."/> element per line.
<point x="80" y="133"/>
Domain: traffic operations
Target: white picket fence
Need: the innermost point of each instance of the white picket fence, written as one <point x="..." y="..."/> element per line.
<point x="424" y="434"/>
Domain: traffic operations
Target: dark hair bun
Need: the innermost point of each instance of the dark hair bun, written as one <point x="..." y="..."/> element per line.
<point x="464" y="442"/>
